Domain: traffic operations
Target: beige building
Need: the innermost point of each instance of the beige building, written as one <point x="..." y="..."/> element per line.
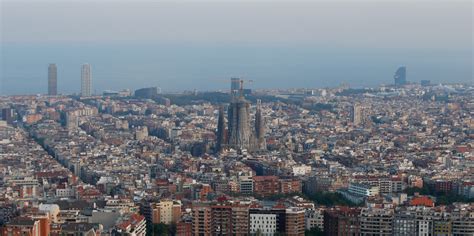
<point x="295" y="221"/>
<point x="166" y="211"/>
<point x="52" y="210"/>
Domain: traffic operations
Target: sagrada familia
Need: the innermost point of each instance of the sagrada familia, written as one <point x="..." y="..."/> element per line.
<point x="239" y="134"/>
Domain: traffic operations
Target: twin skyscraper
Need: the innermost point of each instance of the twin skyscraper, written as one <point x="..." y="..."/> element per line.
<point x="86" y="80"/>
<point x="52" y="80"/>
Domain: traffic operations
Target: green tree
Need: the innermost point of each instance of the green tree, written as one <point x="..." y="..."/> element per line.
<point x="163" y="229"/>
<point x="442" y="198"/>
<point x="313" y="232"/>
<point x="330" y="199"/>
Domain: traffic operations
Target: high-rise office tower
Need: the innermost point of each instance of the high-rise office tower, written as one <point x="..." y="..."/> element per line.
<point x="8" y="115"/>
<point x="52" y="79"/>
<point x="400" y="76"/>
<point x="86" y="80"/>
<point x="234" y="86"/>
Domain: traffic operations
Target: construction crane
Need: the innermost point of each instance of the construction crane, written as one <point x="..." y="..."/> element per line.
<point x="240" y="81"/>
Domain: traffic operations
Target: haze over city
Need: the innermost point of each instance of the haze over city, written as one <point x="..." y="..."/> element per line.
<point x="242" y="118"/>
<point x="187" y="45"/>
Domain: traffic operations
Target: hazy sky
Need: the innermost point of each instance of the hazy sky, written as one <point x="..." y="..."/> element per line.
<point x="200" y="44"/>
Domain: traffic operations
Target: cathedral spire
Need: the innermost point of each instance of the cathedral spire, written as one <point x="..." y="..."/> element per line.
<point x="221" y="130"/>
<point x="260" y="127"/>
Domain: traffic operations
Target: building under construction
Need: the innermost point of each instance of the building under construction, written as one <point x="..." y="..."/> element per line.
<point x="239" y="134"/>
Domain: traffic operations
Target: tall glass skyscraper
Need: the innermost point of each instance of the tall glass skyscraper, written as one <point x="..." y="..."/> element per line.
<point x="52" y="79"/>
<point x="400" y="76"/>
<point x="86" y="80"/>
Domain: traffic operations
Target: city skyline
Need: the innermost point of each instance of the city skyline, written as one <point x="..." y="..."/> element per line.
<point x="307" y="43"/>
<point x="399" y="79"/>
<point x="325" y="74"/>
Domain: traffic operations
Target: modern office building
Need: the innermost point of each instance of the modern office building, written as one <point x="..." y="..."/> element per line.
<point x="8" y="115"/>
<point x="246" y="185"/>
<point x="363" y="189"/>
<point x="263" y="224"/>
<point x="86" y="80"/>
<point x="147" y="93"/>
<point x="268" y="221"/>
<point x="52" y="80"/>
<point x="400" y="76"/>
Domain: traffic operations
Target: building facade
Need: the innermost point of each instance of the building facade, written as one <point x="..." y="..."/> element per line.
<point x="201" y="221"/>
<point x="376" y="221"/>
<point x="400" y="76"/>
<point x="52" y="80"/>
<point x="86" y="81"/>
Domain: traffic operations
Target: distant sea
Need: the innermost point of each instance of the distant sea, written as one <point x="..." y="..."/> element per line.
<point x="204" y="67"/>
